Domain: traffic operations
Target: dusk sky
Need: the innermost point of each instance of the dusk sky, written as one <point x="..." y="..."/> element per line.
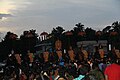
<point x="44" y="15"/>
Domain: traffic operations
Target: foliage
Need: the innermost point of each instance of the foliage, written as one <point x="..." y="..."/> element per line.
<point x="28" y="39"/>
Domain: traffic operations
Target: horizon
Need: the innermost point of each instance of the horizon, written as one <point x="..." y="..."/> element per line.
<point x="2" y="35"/>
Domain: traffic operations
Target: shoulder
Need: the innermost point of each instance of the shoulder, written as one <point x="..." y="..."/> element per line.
<point x="90" y="77"/>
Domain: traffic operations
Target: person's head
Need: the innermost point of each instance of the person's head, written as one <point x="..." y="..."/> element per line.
<point x="56" y="71"/>
<point x="70" y="47"/>
<point x="46" y="56"/>
<point x="61" y="78"/>
<point x="95" y="65"/>
<point x="84" y="69"/>
<point x="59" y="54"/>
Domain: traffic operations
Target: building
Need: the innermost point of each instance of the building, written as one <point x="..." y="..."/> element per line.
<point x="91" y="45"/>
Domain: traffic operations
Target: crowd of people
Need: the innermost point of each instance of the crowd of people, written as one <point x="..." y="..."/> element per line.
<point x="74" y="64"/>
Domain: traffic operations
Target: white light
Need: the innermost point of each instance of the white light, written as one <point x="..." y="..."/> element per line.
<point x="109" y="46"/>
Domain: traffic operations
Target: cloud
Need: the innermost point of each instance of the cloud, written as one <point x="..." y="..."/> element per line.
<point x="5" y="16"/>
<point x="45" y="14"/>
<point x="3" y="29"/>
<point x="12" y="6"/>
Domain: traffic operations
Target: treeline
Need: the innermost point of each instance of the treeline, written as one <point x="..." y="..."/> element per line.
<point x="29" y="39"/>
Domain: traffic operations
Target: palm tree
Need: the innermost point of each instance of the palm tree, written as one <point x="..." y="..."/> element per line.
<point x="106" y="29"/>
<point x="57" y="32"/>
<point x="116" y="26"/>
<point x="79" y="28"/>
<point x="78" y="32"/>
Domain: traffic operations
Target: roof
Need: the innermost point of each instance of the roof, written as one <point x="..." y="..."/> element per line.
<point x="43" y="33"/>
<point x="68" y="33"/>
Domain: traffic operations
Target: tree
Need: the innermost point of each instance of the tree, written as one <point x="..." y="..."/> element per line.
<point x="80" y="27"/>
<point x="116" y="26"/>
<point x="8" y="44"/>
<point x="78" y="32"/>
<point x="11" y="40"/>
<point x="106" y="29"/>
<point x="90" y="33"/>
<point x="28" y="41"/>
<point x="57" y="32"/>
<point x="112" y="33"/>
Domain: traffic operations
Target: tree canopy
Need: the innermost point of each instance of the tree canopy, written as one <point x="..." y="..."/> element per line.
<point x="29" y="39"/>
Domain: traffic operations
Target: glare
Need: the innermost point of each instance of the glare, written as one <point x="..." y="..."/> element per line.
<point x="6" y="6"/>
